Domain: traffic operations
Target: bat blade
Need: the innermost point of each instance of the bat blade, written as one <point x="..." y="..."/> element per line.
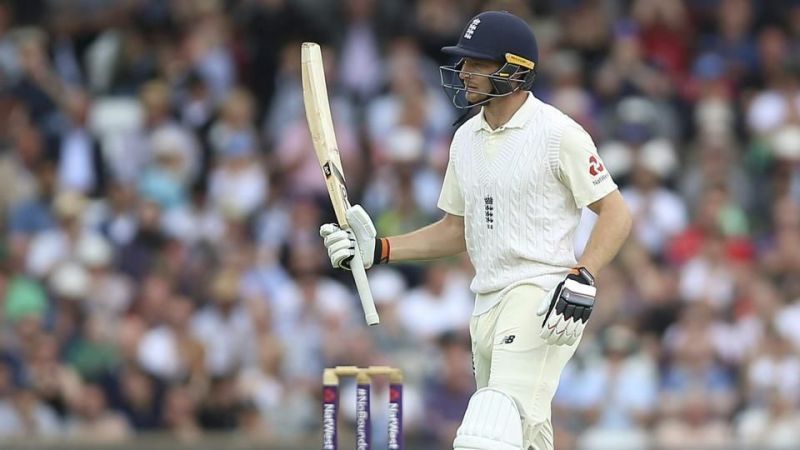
<point x="320" y="124"/>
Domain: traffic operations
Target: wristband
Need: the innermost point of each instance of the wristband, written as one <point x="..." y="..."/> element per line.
<point x="381" y="251"/>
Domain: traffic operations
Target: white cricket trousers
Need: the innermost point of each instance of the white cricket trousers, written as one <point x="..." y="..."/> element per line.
<point x="509" y="355"/>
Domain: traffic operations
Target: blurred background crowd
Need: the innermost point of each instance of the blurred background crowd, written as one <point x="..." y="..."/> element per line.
<point x="160" y="264"/>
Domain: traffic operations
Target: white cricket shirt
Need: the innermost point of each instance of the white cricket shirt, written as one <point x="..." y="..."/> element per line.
<point x="520" y="189"/>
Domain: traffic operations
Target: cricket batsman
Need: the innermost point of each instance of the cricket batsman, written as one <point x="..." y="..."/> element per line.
<point x="519" y="173"/>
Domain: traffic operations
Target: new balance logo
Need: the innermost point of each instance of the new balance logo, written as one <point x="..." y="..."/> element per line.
<point x="471" y="28"/>
<point x="509" y="339"/>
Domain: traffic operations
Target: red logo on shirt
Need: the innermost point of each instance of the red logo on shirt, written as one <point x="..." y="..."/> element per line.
<point x="595" y="166"/>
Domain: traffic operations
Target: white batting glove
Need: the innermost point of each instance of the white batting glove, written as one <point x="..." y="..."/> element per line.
<point x="341" y="243"/>
<point x="567" y="307"/>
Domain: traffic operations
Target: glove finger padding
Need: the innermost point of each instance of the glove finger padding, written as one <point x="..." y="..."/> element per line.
<point x="342" y="260"/>
<point x="339" y="243"/>
<point x="578" y="332"/>
<point x="337" y="246"/>
<point x="567" y="310"/>
<point x="327" y="229"/>
<point x="564" y="336"/>
<point x="336" y="237"/>
<point x="550" y="328"/>
<point x="572" y="327"/>
<point x="340" y="251"/>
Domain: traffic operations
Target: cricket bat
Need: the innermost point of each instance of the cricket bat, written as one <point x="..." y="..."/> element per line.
<point x="320" y="123"/>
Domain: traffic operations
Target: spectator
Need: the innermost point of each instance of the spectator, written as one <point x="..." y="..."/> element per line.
<point x="56" y="384"/>
<point x="169" y="351"/>
<point x="438" y="306"/>
<point x="774" y="371"/>
<point x="692" y="345"/>
<point x="359" y="72"/>
<point x="23" y="416"/>
<point x="96" y="424"/>
<point x="264" y="383"/>
<point x="93" y="353"/>
<point x="38" y="85"/>
<point x="136" y="147"/>
<point x="30" y="179"/>
<point x="773" y="425"/>
<point x="225" y="329"/>
<point x="138" y="397"/>
<point x="694" y="425"/>
<point x="195" y="221"/>
<point x="659" y="214"/>
<point x="77" y="152"/>
<point x="405" y="193"/>
<point x="109" y="293"/>
<point x="50" y="247"/>
<point x="617" y="393"/>
<point x="179" y="415"/>
<point x="238" y="184"/>
<point x="166" y="179"/>
<point x="446" y="397"/>
<point x="146" y="242"/>
<point x="221" y="407"/>
<point x="208" y="48"/>
<point x="716" y="165"/>
<point x="709" y="276"/>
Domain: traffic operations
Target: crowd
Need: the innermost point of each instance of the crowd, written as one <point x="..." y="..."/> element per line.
<point x="160" y="264"/>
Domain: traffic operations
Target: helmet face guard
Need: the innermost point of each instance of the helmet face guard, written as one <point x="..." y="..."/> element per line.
<point x="516" y="74"/>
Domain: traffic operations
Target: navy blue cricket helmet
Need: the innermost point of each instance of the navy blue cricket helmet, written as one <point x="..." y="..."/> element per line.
<point x="496" y="36"/>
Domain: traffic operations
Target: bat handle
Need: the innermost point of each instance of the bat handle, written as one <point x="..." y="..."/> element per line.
<point x="362" y="284"/>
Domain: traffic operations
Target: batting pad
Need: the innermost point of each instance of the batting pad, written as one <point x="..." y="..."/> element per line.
<point x="492" y="422"/>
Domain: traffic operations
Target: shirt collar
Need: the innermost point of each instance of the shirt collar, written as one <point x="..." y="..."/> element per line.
<point x="518" y="120"/>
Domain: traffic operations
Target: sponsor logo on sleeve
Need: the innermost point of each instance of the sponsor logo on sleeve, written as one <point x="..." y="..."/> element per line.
<point x="595" y="166"/>
<point x="597" y="170"/>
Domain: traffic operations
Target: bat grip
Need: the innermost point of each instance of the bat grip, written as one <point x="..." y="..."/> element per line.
<point x="362" y="285"/>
